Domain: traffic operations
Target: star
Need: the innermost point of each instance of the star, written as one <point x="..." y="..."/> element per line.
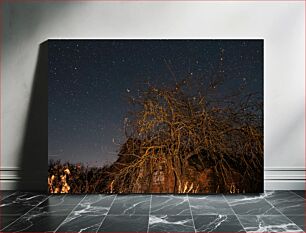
<point x="89" y="80"/>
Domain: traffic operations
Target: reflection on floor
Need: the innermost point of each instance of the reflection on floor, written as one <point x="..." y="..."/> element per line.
<point x="273" y="211"/>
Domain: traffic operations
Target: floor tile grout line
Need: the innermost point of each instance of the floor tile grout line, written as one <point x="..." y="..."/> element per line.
<point x="234" y="213"/>
<point x="8" y="196"/>
<point x="70" y="213"/>
<point x="149" y="213"/>
<point x="191" y="214"/>
<point x="226" y="200"/>
<point x="106" y="213"/>
<point x="282" y="214"/>
<point x="297" y="194"/>
<point x="25" y="214"/>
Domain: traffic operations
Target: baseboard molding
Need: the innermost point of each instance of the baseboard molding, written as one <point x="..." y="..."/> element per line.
<point x="284" y="178"/>
<point x="284" y="184"/>
<point x="276" y="178"/>
<point x="11" y="179"/>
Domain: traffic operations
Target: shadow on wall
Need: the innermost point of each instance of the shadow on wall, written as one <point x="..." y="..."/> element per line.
<point x="34" y="158"/>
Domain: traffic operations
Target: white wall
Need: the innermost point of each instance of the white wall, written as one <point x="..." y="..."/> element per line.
<point x="280" y="24"/>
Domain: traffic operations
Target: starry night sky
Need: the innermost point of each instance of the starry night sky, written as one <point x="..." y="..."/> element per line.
<point x="89" y="80"/>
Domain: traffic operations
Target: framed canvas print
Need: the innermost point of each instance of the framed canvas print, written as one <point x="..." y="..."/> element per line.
<point x="155" y="116"/>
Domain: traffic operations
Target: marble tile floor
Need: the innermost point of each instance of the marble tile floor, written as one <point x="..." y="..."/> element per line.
<point x="272" y="211"/>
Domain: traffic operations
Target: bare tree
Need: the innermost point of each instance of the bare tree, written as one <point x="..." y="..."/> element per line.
<point x="187" y="138"/>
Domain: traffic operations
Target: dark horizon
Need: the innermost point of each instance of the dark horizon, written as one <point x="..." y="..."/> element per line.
<point x="90" y="79"/>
